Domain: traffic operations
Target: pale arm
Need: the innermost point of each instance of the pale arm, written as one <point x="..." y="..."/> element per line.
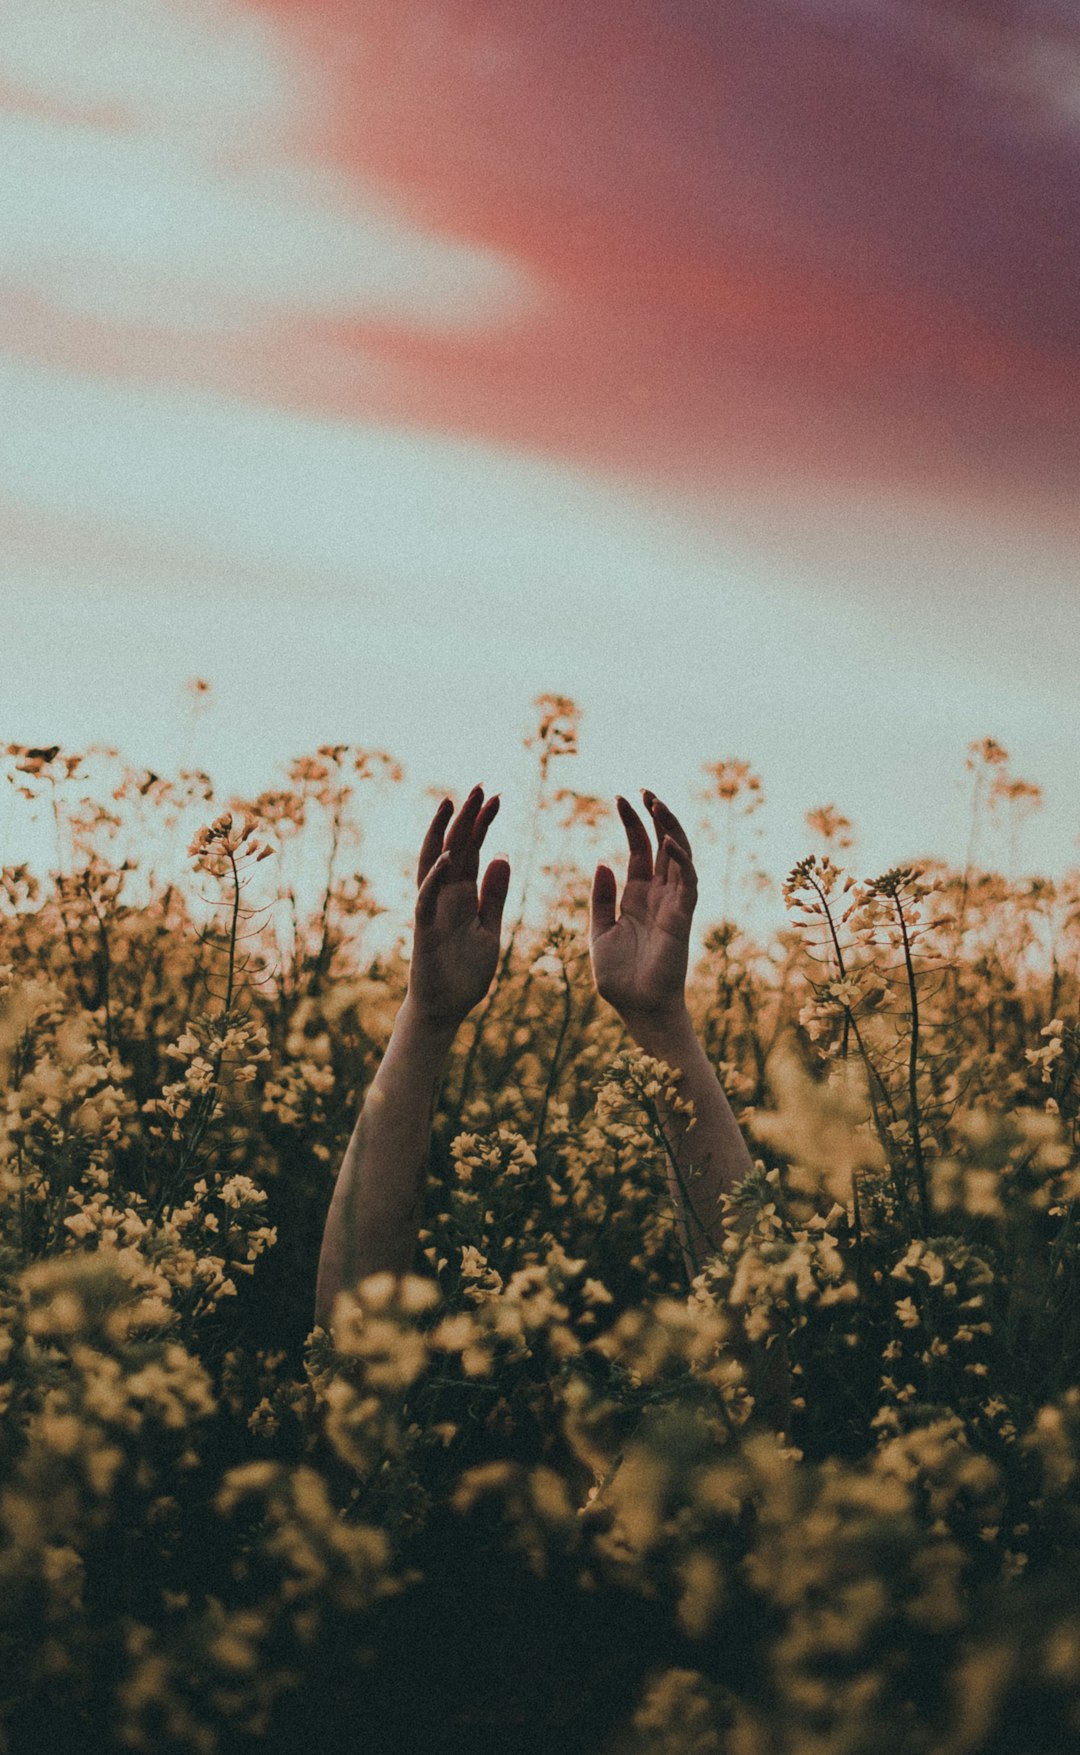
<point x="639" y="962"/>
<point x="713" y="1155"/>
<point x="712" y="1158"/>
<point x="374" y="1215"/>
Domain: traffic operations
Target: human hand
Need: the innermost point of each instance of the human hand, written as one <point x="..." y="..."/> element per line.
<point x="639" y="960"/>
<point x="456" y="936"/>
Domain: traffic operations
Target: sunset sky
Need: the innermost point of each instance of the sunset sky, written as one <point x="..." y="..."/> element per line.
<point x="713" y="362"/>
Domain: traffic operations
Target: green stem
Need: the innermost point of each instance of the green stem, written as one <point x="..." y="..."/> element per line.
<point x="568" y="1003"/>
<point x="913" y="1072"/>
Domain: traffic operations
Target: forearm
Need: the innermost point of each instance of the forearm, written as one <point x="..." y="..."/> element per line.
<point x="713" y="1155"/>
<point x="716" y="1148"/>
<point x="375" y="1212"/>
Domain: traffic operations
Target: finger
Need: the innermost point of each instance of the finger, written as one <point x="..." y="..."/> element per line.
<point x="459" y="834"/>
<point x="480" y="828"/>
<point x="665" y="821"/>
<point x="663" y="859"/>
<point x="682" y="866"/>
<point x="433" y="840"/>
<point x="427" y="896"/>
<point x="602" y="902"/>
<point x="641" y="859"/>
<point x="493" y="893"/>
<point x="486" y="818"/>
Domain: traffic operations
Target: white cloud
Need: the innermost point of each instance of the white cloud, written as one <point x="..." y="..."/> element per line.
<point x="124" y="229"/>
<point x="197" y="213"/>
<point x="206" y="69"/>
<point x="261" y="487"/>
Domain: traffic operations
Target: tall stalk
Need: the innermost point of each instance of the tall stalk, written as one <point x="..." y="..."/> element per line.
<point x="319" y="966"/>
<point x="203" y="1113"/>
<point x="913" y="1070"/>
<point x="555" y="1069"/>
<point x="884" y="1138"/>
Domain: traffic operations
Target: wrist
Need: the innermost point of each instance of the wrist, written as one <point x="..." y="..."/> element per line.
<point x="430" y="1030"/>
<point x="657" y="1031"/>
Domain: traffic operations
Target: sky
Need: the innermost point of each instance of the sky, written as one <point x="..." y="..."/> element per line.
<point x="715" y="363"/>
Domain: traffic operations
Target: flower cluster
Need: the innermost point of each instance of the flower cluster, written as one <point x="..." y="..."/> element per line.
<point x="823" y="1498"/>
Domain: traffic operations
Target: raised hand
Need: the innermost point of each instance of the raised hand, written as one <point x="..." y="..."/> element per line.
<point x="639" y="958"/>
<point x="374" y="1214"/>
<point x="456" y="936"/>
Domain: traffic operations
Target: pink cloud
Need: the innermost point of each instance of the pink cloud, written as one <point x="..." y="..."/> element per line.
<point x="796" y="237"/>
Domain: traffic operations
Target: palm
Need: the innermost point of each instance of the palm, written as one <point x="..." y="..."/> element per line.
<point x="456" y="938"/>
<point x="455" y="955"/>
<point x="640" y="958"/>
<point x="640" y="964"/>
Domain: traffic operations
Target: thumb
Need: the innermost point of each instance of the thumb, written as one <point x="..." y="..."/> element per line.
<point x="602" y="902"/>
<point x="493" y="893"/>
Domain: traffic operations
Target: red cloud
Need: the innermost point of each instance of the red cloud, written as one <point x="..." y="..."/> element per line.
<point x="780" y="238"/>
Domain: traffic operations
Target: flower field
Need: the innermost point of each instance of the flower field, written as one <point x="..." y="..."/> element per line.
<point x="539" y="1495"/>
